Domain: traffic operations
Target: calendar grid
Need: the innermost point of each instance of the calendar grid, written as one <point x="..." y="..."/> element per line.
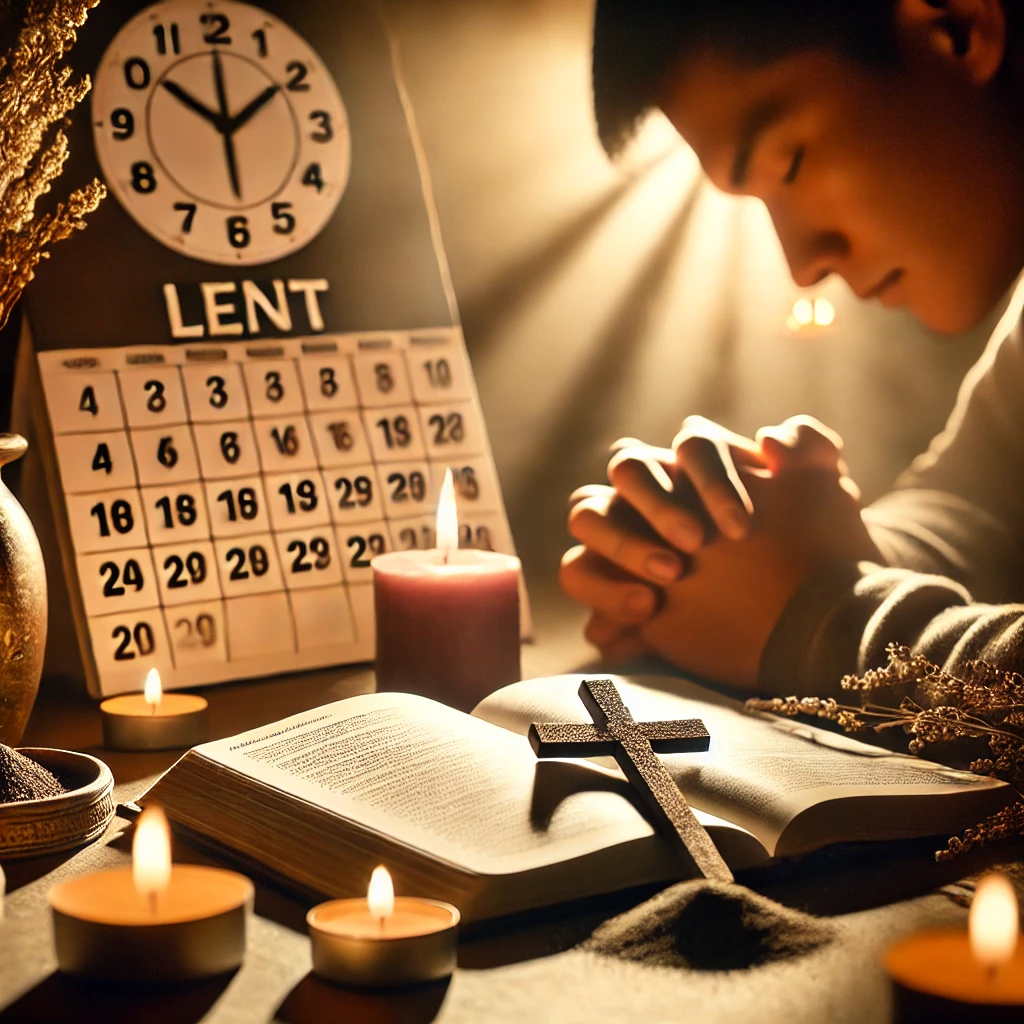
<point x="224" y="500"/>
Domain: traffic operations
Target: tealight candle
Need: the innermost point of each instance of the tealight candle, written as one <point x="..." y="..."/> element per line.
<point x="383" y="941"/>
<point x="154" y="720"/>
<point x="447" y="619"/>
<point x="153" y="922"/>
<point x="950" y="974"/>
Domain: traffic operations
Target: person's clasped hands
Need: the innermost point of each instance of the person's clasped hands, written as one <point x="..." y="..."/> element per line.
<point x="692" y="552"/>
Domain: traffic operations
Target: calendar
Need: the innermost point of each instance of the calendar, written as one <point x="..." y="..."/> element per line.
<point x="259" y="380"/>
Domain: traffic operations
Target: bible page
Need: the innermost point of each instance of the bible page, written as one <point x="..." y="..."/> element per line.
<point x="761" y="772"/>
<point x="457" y="788"/>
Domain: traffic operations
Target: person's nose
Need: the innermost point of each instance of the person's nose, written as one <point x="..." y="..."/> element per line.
<point x="812" y="254"/>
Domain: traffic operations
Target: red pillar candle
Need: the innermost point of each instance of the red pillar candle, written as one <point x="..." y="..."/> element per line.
<point x="447" y="619"/>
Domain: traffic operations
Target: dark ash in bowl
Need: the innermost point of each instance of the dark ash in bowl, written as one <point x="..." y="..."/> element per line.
<point x="22" y="779"/>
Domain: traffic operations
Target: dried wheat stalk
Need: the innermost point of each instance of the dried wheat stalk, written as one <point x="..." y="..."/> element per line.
<point x="37" y="90"/>
<point x="985" y="704"/>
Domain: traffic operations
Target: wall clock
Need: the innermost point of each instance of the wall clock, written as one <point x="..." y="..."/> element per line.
<point x="221" y="131"/>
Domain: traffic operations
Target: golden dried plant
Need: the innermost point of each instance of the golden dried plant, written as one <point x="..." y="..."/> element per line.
<point x="934" y="707"/>
<point x="37" y="91"/>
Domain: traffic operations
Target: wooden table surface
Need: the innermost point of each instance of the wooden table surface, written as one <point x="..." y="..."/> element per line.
<point x="516" y="970"/>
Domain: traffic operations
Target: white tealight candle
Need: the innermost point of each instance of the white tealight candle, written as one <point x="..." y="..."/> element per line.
<point x="152" y="922"/>
<point x="154" y="720"/>
<point x="383" y="941"/>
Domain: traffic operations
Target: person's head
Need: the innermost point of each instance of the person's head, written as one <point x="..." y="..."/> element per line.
<point x="886" y="137"/>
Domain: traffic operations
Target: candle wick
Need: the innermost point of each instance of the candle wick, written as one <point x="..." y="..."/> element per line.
<point x="993" y="970"/>
<point x="152" y="902"/>
<point x="381" y="920"/>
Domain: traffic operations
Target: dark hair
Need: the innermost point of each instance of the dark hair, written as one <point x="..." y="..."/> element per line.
<point x="639" y="44"/>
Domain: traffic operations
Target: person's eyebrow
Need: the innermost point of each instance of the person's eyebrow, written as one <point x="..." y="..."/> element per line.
<point x="757" y="122"/>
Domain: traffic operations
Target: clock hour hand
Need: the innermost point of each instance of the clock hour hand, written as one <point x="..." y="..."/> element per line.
<point x="193" y="104"/>
<point x="251" y="108"/>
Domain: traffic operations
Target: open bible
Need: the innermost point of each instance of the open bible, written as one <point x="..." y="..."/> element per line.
<point x="458" y="807"/>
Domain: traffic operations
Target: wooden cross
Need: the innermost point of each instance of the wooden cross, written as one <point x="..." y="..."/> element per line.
<point x="635" y="745"/>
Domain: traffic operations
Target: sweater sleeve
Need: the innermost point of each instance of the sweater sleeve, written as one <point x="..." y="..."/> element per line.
<point x="952" y="535"/>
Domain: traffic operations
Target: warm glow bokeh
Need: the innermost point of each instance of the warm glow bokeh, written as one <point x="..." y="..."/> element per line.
<point x="381" y="894"/>
<point x="447" y="516"/>
<point x="151" y="853"/>
<point x="153" y="690"/>
<point x="994" y="923"/>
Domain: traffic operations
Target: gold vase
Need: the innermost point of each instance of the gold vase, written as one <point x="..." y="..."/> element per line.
<point x="22" y="605"/>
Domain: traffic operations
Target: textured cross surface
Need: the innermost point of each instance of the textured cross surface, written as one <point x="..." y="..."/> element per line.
<point x="635" y="746"/>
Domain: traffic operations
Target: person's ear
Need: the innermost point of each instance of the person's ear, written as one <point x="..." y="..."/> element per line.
<point x="969" y="34"/>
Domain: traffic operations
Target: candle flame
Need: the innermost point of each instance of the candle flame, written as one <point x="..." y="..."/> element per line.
<point x="447" y="517"/>
<point x="151" y="853"/>
<point x="994" y="922"/>
<point x="153" y="690"/>
<point x="381" y="894"/>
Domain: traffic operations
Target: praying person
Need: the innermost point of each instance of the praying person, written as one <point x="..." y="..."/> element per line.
<point x="886" y="139"/>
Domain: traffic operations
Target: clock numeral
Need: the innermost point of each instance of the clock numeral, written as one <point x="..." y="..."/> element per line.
<point x="142" y="178"/>
<point x="285" y="221"/>
<point x="161" y="35"/>
<point x="123" y="123"/>
<point x="326" y="131"/>
<point x="298" y="71"/>
<point x="313" y="177"/>
<point x="260" y="36"/>
<point x="189" y="209"/>
<point x="218" y="33"/>
<point x="136" y="73"/>
<point x="238" y="232"/>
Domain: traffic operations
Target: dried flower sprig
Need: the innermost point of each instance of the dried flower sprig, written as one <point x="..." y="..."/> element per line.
<point x="37" y="90"/>
<point x="936" y="707"/>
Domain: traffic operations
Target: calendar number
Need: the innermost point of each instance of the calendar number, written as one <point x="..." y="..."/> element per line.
<point x="166" y="453"/>
<point x="342" y="436"/>
<point x="157" y="400"/>
<point x="317" y="547"/>
<point x="479" y="538"/>
<point x="190" y="569"/>
<point x="141" y="637"/>
<point x="287" y="441"/>
<point x="365" y="548"/>
<point x="184" y="510"/>
<point x="201" y="633"/>
<point x="102" y="460"/>
<point x="275" y="389"/>
<point x="255" y="557"/>
<point x="120" y="518"/>
<point x="328" y="382"/>
<point x="305" y="492"/>
<point x="410" y="538"/>
<point x="439" y="373"/>
<point x="407" y="486"/>
<point x="354" y="493"/>
<point x="229" y="447"/>
<point x="466" y="483"/>
<point x="218" y="396"/>
<point x="384" y="378"/>
<point x="396" y="431"/>
<point x="448" y="429"/>
<point x="245" y="506"/>
<point x="118" y="580"/>
<point x="88" y="402"/>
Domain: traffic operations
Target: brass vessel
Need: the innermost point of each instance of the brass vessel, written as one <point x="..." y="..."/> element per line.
<point x="22" y="606"/>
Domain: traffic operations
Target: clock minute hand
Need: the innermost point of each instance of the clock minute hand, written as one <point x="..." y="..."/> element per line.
<point x="250" y="109"/>
<point x="224" y="125"/>
<point x="193" y="104"/>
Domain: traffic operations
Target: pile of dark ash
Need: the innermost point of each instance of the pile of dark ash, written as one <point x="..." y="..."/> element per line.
<point x="707" y="926"/>
<point x="22" y="779"/>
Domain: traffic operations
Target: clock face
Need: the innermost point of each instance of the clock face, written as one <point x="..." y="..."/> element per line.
<point x="220" y="130"/>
